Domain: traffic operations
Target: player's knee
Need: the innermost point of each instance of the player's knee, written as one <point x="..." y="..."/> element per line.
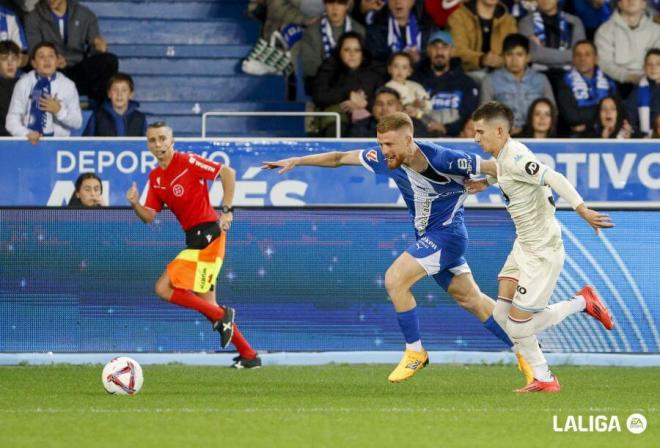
<point x="519" y="330"/>
<point x="393" y="281"/>
<point x="162" y="290"/>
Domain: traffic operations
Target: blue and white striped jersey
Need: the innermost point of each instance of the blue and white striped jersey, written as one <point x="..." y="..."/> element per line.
<point x="432" y="203"/>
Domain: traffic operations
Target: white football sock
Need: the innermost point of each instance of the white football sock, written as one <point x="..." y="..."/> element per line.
<point x="415" y="346"/>
<point x="557" y="312"/>
<point x="529" y="348"/>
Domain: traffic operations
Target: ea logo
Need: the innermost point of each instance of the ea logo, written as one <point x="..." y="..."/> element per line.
<point x="532" y="168"/>
<point x="636" y="423"/>
<point x="177" y="190"/>
<point x="521" y="289"/>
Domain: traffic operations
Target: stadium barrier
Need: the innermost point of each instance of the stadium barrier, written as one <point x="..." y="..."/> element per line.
<point x="76" y="281"/>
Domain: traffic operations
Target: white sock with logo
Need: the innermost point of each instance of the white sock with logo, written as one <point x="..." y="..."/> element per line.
<point x="557" y="312"/>
<point x="529" y="348"/>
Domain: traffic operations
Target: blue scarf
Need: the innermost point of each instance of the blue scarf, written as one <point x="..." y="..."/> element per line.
<point x="588" y="92"/>
<point x="564" y="35"/>
<point x="644" y="105"/>
<point x="604" y="12"/>
<point x="40" y="121"/>
<point x="291" y="34"/>
<point x="395" y="40"/>
<point x="4" y="28"/>
<point x="326" y="34"/>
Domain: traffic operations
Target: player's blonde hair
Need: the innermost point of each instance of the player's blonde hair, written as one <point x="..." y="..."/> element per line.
<point x="394" y="122"/>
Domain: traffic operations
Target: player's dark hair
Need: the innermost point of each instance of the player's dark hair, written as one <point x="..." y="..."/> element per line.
<point x="494" y="110"/>
<point x="121" y="77"/>
<point x="43" y="44"/>
<point x="513" y="41"/>
<point x="157" y="124"/>
<point x="9" y="47"/>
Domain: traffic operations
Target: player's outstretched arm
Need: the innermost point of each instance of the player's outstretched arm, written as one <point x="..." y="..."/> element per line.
<point x="145" y="214"/>
<point x="228" y="181"/>
<point x="331" y="159"/>
<point x="561" y="185"/>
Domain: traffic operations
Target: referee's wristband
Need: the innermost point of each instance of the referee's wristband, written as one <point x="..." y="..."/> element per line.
<point x="226" y="209"/>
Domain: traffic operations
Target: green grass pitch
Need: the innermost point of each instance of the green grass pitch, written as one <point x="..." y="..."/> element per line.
<point x="319" y="406"/>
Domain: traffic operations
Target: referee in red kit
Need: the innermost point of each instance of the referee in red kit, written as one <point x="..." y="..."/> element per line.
<point x="180" y="182"/>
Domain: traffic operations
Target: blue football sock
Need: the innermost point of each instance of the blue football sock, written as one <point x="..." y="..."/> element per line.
<point x="492" y="326"/>
<point x="409" y="325"/>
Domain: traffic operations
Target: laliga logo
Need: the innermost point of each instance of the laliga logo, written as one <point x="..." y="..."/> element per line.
<point x="636" y="423"/>
<point x="177" y="190"/>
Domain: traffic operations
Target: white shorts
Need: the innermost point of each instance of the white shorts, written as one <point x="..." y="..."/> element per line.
<point x="536" y="273"/>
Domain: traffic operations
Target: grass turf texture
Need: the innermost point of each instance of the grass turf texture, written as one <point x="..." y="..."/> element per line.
<point x="319" y="406"/>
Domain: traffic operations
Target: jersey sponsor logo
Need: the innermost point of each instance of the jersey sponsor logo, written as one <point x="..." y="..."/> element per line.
<point x="178" y="190"/>
<point x="521" y="289"/>
<point x="372" y="155"/>
<point x="204" y="166"/>
<point x="532" y="168"/>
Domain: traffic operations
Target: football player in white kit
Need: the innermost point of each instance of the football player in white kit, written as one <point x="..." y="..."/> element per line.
<point x="531" y="271"/>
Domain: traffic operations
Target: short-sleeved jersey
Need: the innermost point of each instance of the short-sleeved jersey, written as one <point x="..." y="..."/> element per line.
<point x="528" y="200"/>
<point x="432" y="203"/>
<point x="182" y="186"/>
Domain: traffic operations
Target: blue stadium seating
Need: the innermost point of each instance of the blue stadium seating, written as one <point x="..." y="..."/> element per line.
<point x="185" y="59"/>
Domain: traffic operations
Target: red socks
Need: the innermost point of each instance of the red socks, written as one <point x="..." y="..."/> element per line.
<point x="242" y="344"/>
<point x="188" y="299"/>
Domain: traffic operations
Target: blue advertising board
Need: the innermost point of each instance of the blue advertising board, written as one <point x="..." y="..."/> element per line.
<point x="81" y="280"/>
<point x="43" y="174"/>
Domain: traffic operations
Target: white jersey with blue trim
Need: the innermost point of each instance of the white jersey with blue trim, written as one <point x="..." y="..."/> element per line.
<point x="529" y="201"/>
<point x="433" y="202"/>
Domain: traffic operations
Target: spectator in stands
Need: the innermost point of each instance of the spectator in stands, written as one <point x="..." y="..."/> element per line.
<point x="280" y="13"/>
<point x="643" y="104"/>
<point x="346" y="82"/>
<point x="468" y="130"/>
<point x="83" y="53"/>
<point x="582" y="89"/>
<point x="365" y="10"/>
<point x="611" y="120"/>
<point x="319" y="39"/>
<point x="541" y="120"/>
<point x="593" y="14"/>
<point x="394" y="29"/>
<point x="44" y="102"/>
<point x="12" y="29"/>
<point x="551" y="32"/>
<point x="623" y="41"/>
<point x="88" y="193"/>
<point x="414" y="98"/>
<point x="479" y="28"/>
<point x="9" y="56"/>
<point x="387" y="102"/>
<point x="118" y="116"/>
<point x="454" y="95"/>
<point x="516" y="85"/>
<point x="439" y="11"/>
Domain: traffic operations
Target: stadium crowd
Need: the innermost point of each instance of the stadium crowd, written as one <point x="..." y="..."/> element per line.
<point x="570" y="68"/>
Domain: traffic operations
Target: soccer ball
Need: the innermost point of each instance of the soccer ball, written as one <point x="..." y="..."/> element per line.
<point x="122" y="376"/>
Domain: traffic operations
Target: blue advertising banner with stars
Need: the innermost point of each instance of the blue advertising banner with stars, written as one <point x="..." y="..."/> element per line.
<point x="44" y="174"/>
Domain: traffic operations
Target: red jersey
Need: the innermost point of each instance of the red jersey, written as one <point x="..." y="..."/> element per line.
<point x="182" y="186"/>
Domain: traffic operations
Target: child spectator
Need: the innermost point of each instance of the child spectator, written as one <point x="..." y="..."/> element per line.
<point x="82" y="53"/>
<point x="9" y="57"/>
<point x="414" y="98"/>
<point x="541" y="120"/>
<point x="643" y="104"/>
<point x="119" y="116"/>
<point x="44" y="102"/>
<point x="88" y="193"/>
<point x="516" y="85"/>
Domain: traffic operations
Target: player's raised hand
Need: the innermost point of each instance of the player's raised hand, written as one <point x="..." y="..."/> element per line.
<point x="132" y="194"/>
<point x="286" y="165"/>
<point x="595" y="219"/>
<point x="475" y="186"/>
